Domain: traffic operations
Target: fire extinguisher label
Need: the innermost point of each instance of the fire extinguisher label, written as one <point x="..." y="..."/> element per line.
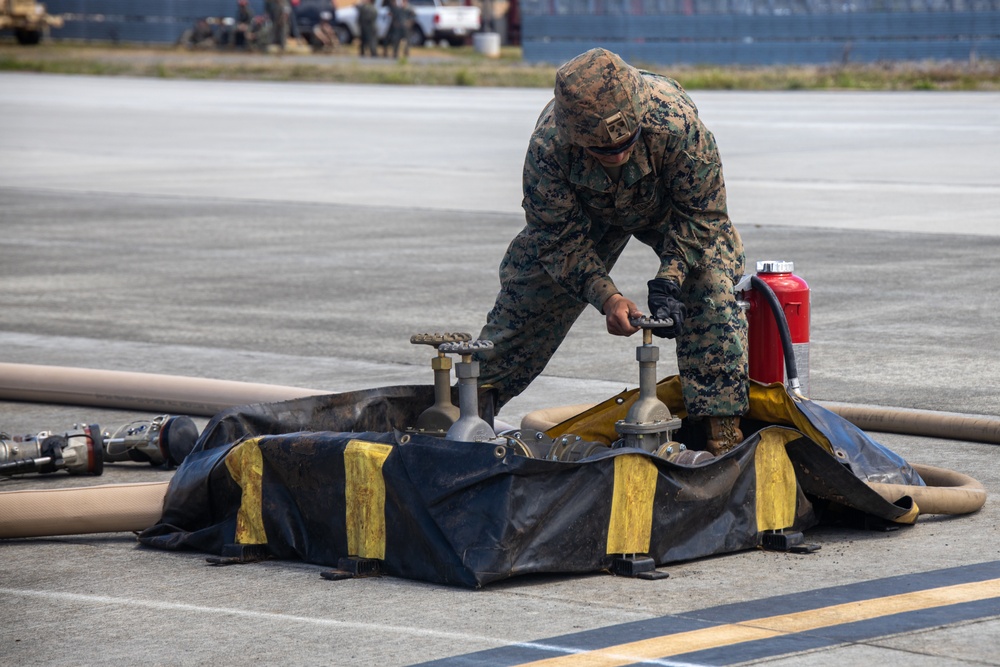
<point x="801" y="352"/>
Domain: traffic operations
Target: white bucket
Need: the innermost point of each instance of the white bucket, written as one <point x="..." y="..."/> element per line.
<point x="487" y="43"/>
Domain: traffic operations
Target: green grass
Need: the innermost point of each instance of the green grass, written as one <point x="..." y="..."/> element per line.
<point x="462" y="66"/>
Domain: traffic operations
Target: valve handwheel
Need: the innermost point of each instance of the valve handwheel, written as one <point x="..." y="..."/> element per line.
<point x="647" y="324"/>
<point x="466" y="347"/>
<point x="437" y="339"/>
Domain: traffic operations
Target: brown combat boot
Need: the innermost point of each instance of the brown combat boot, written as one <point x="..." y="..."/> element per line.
<point x="723" y="434"/>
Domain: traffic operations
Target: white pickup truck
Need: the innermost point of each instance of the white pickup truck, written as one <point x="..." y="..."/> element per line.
<point x="437" y="21"/>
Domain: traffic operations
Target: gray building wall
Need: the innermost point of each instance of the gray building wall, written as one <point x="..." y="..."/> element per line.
<point x="143" y="21"/>
<point x="762" y="32"/>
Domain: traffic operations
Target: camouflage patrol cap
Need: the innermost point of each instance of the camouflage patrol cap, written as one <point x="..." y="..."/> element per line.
<point x="600" y="100"/>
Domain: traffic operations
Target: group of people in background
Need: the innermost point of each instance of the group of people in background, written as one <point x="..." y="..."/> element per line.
<point x="279" y="24"/>
<point x="401" y="20"/>
<point x="261" y="32"/>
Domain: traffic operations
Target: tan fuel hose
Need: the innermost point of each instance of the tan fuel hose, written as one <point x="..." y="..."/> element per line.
<point x="205" y="397"/>
<point x="136" y="391"/>
<point x="128" y="507"/>
<point x="928" y="423"/>
<point x="111" y="508"/>
<point x="947" y="491"/>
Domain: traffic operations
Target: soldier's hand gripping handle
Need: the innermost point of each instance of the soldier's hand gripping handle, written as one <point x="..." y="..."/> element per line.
<point x="618" y="315"/>
<point x="664" y="303"/>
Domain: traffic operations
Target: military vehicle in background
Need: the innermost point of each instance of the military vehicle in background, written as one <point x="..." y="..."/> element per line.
<point x="27" y="19"/>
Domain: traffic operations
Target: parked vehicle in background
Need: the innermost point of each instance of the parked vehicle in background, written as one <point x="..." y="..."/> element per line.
<point x="28" y="19"/>
<point x="436" y="20"/>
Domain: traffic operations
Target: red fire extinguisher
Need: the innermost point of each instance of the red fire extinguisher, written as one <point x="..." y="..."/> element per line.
<point x="789" y="295"/>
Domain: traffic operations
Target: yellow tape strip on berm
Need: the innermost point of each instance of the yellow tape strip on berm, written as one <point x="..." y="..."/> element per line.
<point x="364" y="496"/>
<point x="776" y="483"/>
<point x="631" y="521"/>
<point x="775" y="626"/>
<point x="246" y="466"/>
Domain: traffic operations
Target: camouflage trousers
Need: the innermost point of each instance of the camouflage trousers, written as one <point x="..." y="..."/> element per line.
<point x="533" y="314"/>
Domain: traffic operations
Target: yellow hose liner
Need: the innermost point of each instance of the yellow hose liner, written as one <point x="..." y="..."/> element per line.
<point x="947" y="491"/>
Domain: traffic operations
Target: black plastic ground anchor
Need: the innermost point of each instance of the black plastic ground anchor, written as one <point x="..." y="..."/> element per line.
<point x="237" y="554"/>
<point x="880" y="525"/>
<point x="637" y="567"/>
<point x="784" y="541"/>
<point x="353" y="568"/>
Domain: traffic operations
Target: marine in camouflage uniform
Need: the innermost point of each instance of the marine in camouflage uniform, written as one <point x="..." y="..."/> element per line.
<point x="278" y="13"/>
<point x="400" y="26"/>
<point x="368" y="25"/>
<point x="621" y="153"/>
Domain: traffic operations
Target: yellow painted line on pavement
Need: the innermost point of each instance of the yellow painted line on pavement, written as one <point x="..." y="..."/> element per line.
<point x="775" y="626"/>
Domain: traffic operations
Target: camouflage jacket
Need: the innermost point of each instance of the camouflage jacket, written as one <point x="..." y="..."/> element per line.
<point x="367" y="14"/>
<point x="671" y="196"/>
<point x="402" y="19"/>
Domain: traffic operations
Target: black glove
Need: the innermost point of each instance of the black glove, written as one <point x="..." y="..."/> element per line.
<point x="664" y="303"/>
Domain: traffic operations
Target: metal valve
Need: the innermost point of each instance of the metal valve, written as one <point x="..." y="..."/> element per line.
<point x="438" y="418"/>
<point x="470" y="427"/>
<point x="162" y="441"/>
<point x="676" y="452"/>
<point x="77" y="451"/>
<point x="537" y="445"/>
<point x="648" y="424"/>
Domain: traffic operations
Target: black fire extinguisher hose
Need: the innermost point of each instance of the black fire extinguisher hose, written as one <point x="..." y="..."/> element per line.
<point x="791" y="370"/>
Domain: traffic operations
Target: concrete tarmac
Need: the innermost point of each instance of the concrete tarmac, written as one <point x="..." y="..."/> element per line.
<point x="298" y="234"/>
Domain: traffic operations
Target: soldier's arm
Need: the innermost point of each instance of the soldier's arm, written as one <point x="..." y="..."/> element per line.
<point x="559" y="229"/>
<point x="692" y="171"/>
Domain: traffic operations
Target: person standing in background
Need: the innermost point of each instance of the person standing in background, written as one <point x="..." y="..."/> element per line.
<point x="367" y="20"/>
